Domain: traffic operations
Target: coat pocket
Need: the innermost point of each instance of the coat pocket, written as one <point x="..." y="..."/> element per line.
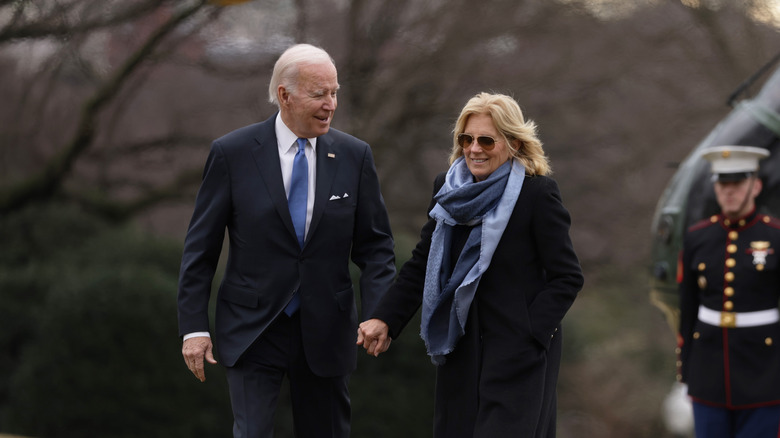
<point x="345" y="299"/>
<point x="239" y="295"/>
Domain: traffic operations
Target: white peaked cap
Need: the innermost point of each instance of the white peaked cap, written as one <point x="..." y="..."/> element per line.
<point x="728" y="160"/>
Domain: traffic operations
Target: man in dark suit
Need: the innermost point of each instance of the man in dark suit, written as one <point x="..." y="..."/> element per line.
<point x="729" y="317"/>
<point x="298" y="199"/>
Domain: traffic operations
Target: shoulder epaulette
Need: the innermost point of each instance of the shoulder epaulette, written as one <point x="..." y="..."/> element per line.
<point x="770" y="220"/>
<point x="712" y="220"/>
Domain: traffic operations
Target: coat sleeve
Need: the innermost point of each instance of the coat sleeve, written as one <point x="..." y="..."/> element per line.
<point x="372" y="242"/>
<point x="405" y="297"/>
<point x="689" y="305"/>
<point x="203" y="244"/>
<point x="550" y="228"/>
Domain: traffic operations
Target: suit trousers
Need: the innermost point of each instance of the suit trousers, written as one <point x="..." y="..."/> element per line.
<point x="320" y="405"/>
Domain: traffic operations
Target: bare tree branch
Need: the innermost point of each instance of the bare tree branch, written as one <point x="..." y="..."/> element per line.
<point x="167" y="142"/>
<point x="46" y="182"/>
<point x="56" y="24"/>
<point x="118" y="211"/>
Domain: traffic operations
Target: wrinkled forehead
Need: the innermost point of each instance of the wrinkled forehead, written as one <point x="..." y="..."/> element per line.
<point x="321" y="75"/>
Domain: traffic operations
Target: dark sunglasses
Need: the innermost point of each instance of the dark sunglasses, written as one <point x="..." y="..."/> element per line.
<point x="486" y="142"/>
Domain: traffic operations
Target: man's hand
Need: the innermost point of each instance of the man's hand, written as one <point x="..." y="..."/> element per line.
<point x="373" y="336"/>
<point x="194" y="351"/>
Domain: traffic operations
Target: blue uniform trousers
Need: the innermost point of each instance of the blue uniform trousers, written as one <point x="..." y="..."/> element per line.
<point x="719" y="422"/>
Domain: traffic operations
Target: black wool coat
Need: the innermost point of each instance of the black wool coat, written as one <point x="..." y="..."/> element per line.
<point x="500" y="380"/>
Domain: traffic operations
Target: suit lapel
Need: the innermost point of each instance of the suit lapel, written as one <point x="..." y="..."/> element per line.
<point x="327" y="164"/>
<point x="266" y="155"/>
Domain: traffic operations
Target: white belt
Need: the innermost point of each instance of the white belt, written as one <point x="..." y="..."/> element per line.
<point x="738" y="319"/>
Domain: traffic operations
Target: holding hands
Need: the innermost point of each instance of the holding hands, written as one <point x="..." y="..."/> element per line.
<point x="373" y="336"/>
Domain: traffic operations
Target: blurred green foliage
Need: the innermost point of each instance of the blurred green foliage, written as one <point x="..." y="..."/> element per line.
<point x="90" y="345"/>
<point x="89" y="333"/>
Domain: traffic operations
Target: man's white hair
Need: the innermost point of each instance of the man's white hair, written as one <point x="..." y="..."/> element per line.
<point x="286" y="67"/>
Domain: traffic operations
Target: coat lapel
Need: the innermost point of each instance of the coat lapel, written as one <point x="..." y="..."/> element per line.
<point x="327" y="165"/>
<point x="266" y="155"/>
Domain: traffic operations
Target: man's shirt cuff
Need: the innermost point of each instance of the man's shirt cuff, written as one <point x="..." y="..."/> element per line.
<point x="195" y="335"/>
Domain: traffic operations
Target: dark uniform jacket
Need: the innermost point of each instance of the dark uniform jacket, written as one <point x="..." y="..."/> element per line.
<point x="731" y="268"/>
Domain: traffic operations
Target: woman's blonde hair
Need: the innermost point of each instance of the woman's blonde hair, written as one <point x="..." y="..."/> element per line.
<point x="510" y="123"/>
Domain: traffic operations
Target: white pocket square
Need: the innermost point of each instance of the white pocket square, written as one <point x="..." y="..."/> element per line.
<point x="335" y="197"/>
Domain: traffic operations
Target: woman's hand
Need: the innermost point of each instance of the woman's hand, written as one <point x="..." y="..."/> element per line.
<point x="373" y="336"/>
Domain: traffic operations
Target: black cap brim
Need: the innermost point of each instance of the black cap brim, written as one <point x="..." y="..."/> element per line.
<point x="732" y="177"/>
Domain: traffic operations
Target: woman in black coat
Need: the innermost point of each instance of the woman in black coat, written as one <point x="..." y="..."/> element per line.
<point x="495" y="272"/>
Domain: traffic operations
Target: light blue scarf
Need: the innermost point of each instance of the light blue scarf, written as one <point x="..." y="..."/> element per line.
<point x="485" y="205"/>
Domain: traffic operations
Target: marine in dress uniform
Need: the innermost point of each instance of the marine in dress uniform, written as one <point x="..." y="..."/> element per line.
<point x="729" y="318"/>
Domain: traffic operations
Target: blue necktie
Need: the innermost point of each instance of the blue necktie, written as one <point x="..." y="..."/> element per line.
<point x="296" y="200"/>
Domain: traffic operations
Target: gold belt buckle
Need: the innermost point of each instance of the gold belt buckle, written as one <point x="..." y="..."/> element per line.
<point x="728" y="319"/>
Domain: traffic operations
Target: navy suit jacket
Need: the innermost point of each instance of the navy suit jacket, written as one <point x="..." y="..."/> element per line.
<point x="242" y="191"/>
